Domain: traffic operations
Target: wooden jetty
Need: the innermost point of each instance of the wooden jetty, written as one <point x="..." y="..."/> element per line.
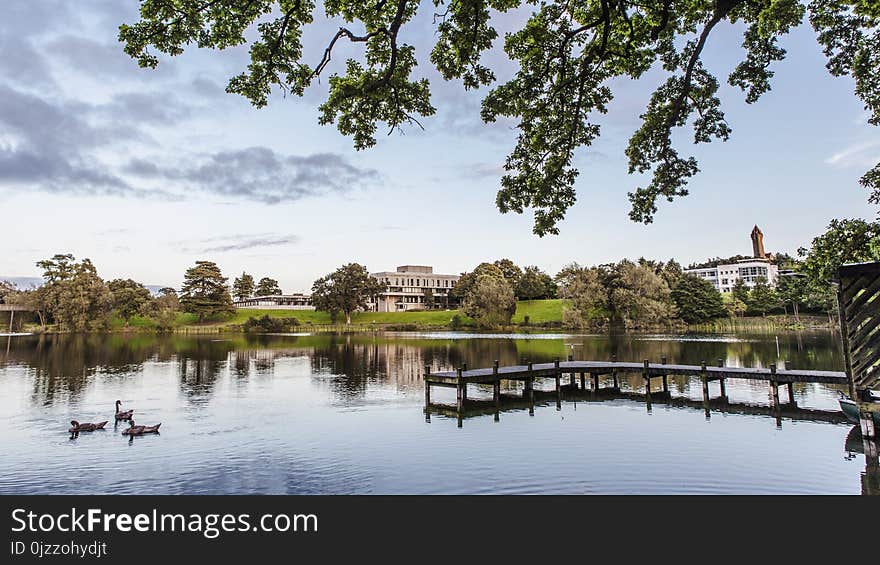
<point x="578" y="371"/>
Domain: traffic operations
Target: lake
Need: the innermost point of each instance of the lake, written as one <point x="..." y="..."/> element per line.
<point x="339" y="414"/>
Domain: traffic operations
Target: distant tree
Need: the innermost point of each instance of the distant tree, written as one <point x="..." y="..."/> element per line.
<point x="638" y="296"/>
<point x="129" y="298"/>
<point x="535" y="284"/>
<point x="736" y="308"/>
<point x="164" y="309"/>
<point x="510" y="270"/>
<point x="345" y="290"/>
<point x="467" y="280"/>
<point x="243" y="286"/>
<point x="204" y="292"/>
<point x="267" y="287"/>
<point x="586" y="298"/>
<point x="793" y="291"/>
<point x="740" y="291"/>
<point x="697" y="300"/>
<point x="490" y="301"/>
<point x="429" y="300"/>
<point x="763" y="298"/>
<point x="845" y="241"/>
<point x="59" y="268"/>
<point x="80" y="301"/>
<point x="672" y="272"/>
<point x="567" y="275"/>
<point x="6" y="289"/>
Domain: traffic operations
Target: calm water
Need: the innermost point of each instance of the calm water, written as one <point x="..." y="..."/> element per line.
<point x="345" y="414"/>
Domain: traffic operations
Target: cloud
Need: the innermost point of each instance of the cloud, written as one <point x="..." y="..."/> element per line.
<point x="263" y="175"/>
<point x="239" y="242"/>
<point x="863" y="154"/>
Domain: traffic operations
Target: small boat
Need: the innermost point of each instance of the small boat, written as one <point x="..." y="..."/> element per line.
<point x="120" y="415"/>
<point x="851" y="409"/>
<point x="85" y="426"/>
<point x="140" y="430"/>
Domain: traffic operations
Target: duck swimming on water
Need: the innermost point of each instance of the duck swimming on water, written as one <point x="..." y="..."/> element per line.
<point x="123" y="415"/>
<point x="86" y="426"/>
<point x="140" y="430"/>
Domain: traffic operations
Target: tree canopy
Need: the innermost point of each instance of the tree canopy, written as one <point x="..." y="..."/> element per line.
<point x="204" y="292"/>
<point x="268" y="287"/>
<point x="129" y="298"/>
<point x="697" y="300"/>
<point x="243" y="286"/>
<point x="345" y="290"/>
<point x="568" y="55"/>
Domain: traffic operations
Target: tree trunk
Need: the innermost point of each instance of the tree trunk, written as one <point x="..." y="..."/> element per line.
<point x="347" y="317"/>
<point x="797" y="312"/>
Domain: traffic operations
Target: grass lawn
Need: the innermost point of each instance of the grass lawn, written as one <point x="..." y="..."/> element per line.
<point x="538" y="311"/>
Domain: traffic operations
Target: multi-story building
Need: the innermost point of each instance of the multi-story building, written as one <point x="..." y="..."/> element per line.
<point x="277" y="302"/>
<point x="413" y="287"/>
<point x="724" y="276"/>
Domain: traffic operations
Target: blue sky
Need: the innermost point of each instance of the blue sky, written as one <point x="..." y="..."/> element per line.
<point x="146" y="171"/>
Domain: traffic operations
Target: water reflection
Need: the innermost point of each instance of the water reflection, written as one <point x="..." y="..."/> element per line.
<point x="345" y="414"/>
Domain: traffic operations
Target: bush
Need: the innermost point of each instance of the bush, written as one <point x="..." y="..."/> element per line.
<point x="455" y="323"/>
<point x="267" y="324"/>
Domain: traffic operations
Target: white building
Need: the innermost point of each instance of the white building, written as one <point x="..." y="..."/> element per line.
<point x="277" y="302"/>
<point x="724" y="276"/>
<point x="413" y="287"/>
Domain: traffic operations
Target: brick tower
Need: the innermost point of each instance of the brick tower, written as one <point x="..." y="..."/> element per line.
<point x="758" y="243"/>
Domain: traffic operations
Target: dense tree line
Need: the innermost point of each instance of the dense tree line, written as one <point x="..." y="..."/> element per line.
<point x="628" y="294"/>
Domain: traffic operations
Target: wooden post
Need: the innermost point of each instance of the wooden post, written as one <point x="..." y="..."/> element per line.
<point x="530" y="388"/>
<point x="647" y="377"/>
<point x="595" y="384"/>
<point x="558" y="388"/>
<point x="704" y="378"/>
<point x="11" y="317"/>
<point x="461" y="392"/>
<point x="791" y="393"/>
<point x="496" y="387"/>
<point x="464" y="366"/>
<point x="614" y="372"/>
<point x="665" y="380"/>
<point x="583" y="382"/>
<point x="774" y="393"/>
<point x="427" y="386"/>
<point x="788" y="365"/>
<point x="721" y="381"/>
<point x="866" y="422"/>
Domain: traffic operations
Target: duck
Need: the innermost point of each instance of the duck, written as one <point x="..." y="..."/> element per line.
<point x="123" y="415"/>
<point x="140" y="430"/>
<point x="86" y="426"/>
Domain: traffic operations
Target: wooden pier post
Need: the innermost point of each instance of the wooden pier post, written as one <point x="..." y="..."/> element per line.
<point x="427" y="386"/>
<point x="791" y="393"/>
<point x="866" y="420"/>
<point x="721" y="381"/>
<point x="461" y="392"/>
<point x="529" y="390"/>
<point x="558" y="376"/>
<point x="584" y="382"/>
<point x="665" y="380"/>
<point x="647" y="378"/>
<point x="774" y="386"/>
<point x="704" y="378"/>
<point x="496" y="386"/>
<point x="614" y="373"/>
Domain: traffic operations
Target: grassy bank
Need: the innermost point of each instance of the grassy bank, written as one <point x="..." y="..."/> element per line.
<point x="530" y="315"/>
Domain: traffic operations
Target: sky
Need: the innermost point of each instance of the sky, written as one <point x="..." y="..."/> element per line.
<point x="146" y="171"/>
